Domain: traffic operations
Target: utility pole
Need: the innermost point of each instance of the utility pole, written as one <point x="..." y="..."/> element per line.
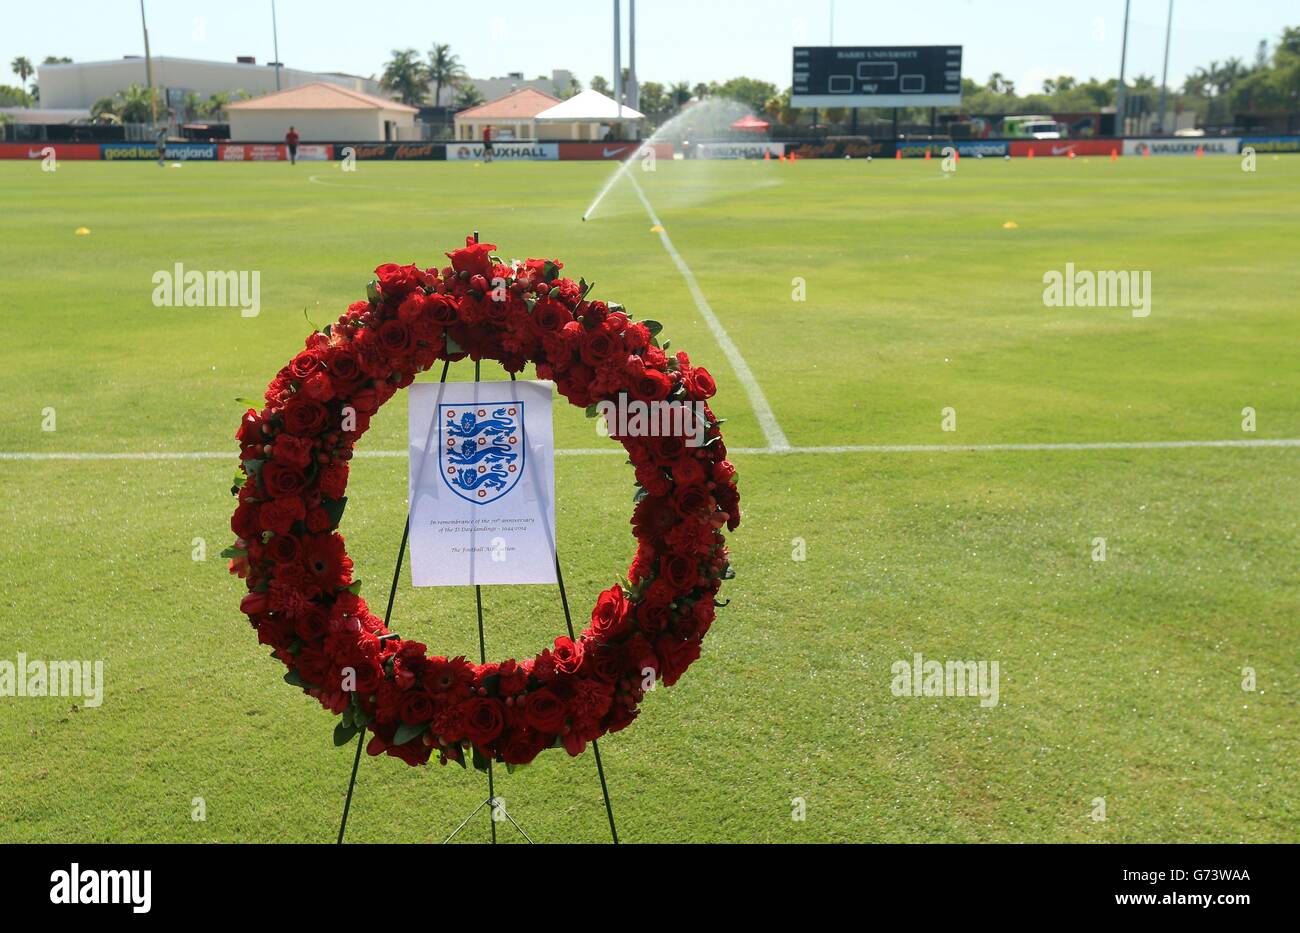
<point x="1119" y="88"/>
<point x="148" y="67"/>
<point x="275" y="40"/>
<point x="1164" y="75"/>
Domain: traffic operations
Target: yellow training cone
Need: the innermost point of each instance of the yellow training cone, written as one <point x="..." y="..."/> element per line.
<point x="1010" y="225"/>
<point x="656" y="229"/>
<point x="83" y="231"/>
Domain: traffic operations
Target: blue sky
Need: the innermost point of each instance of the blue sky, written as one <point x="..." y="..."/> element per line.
<point x="692" y="40"/>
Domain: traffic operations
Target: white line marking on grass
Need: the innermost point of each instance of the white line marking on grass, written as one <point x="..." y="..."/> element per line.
<point x="747" y="451"/>
<point x="776" y="438"/>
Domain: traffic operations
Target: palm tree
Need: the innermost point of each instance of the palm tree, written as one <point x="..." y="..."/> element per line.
<point x="22" y="66"/>
<point x="406" y="76"/>
<point x="679" y="93"/>
<point x="469" y="96"/>
<point x="136" y="104"/>
<point x="700" y="91"/>
<point x="444" y="69"/>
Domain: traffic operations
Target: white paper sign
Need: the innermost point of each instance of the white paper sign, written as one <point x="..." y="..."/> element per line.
<point x="482" y="483"/>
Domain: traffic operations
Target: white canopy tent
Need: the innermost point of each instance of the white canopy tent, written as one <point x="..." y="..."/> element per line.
<point x="583" y="115"/>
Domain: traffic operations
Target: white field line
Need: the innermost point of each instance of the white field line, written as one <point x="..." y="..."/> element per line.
<point x="233" y="455"/>
<point x="776" y="439"/>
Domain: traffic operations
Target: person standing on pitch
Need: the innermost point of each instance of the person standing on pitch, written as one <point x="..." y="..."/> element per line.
<point x="291" y="141"/>
<point x="487" y="144"/>
<point x="161" y="146"/>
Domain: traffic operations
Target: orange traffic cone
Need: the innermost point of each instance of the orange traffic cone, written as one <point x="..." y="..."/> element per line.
<point x="1146" y="152"/>
<point x="1031" y="152"/>
<point x="898" y="153"/>
<point x="794" y="157"/>
<point x="767" y="155"/>
<point x="1114" y="156"/>
<point x="927" y="155"/>
<point x="782" y="157"/>
<point x="1070" y="154"/>
<point x="1200" y="152"/>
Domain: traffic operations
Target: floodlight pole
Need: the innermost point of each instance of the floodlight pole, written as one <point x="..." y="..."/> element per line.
<point x="1119" y="88"/>
<point x="148" y="67"/>
<point x="275" y="42"/>
<point x="1164" y="75"/>
<point x="618" y="65"/>
<point x="633" y="86"/>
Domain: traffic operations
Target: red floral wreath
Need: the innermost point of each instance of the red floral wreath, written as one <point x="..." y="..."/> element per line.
<point x="302" y="598"/>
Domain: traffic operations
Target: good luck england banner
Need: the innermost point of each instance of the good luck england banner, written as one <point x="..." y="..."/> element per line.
<point x="482" y="483"/>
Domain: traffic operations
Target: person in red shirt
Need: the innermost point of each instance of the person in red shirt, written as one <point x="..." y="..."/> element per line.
<point x="291" y="140"/>
<point x="487" y="144"/>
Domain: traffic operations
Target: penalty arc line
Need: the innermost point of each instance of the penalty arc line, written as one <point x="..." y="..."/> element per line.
<point x="747" y="451"/>
<point x="776" y="439"/>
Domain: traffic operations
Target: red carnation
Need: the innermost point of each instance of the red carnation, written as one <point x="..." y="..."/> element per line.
<point x="544" y="711"/>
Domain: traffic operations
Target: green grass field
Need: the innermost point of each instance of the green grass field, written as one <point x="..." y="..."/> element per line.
<point x="1120" y="679"/>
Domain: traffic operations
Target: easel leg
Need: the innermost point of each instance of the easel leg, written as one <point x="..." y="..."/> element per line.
<point x="388" y="614"/>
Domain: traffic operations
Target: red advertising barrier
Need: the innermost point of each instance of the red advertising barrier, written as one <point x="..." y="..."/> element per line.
<point x="1063" y="147"/>
<point x="38" y="150"/>
<point x="613" y="151"/>
<point x="252" y="152"/>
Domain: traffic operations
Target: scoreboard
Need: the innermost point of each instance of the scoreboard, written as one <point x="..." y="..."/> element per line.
<point x="877" y="76"/>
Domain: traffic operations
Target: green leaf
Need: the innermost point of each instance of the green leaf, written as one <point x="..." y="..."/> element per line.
<point x="550" y="271"/>
<point x="354" y="587"/>
<point x="334" y="509"/>
<point x="372" y="291"/>
<point x="232" y="552"/>
<point x="407" y="732"/>
<point x="248" y="402"/>
<point x="453" y="346"/>
<point x="343" y="734"/>
<point x="292" y="679"/>
<point x="593" y="410"/>
<point x="654" y="327"/>
<point x="480" y="760"/>
<point x="252" y="466"/>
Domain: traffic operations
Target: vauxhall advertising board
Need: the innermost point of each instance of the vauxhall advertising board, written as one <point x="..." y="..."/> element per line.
<point x="877" y="76"/>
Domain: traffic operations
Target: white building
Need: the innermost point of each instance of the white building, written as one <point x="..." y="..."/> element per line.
<point x="530" y="114"/>
<point x="77" y="85"/>
<point x="321" y="112"/>
<point x="557" y="85"/>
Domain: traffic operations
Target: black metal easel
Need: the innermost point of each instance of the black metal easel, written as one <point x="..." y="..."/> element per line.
<point x="491" y="800"/>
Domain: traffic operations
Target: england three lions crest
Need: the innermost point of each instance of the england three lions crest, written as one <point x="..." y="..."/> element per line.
<point x="481" y="449"/>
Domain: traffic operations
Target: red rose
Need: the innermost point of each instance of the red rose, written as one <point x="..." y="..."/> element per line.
<point x="691" y="500"/>
<point x="544" y="711"/>
<point x="398" y="280"/>
<point x="609" y="617"/>
<point x="699" y="384"/>
<point x="484" y="720"/>
<point x="522" y="746"/>
<point x="473" y="258"/>
<point x="283" y="549"/>
<point x="652" y="386"/>
<point x="597" y="347"/>
<point x="567" y="654"/>
<point x="550" y="315"/>
<point x="675" y="656"/>
<point x="304" y="364"/>
<point x="304" y="417"/>
<point x="395" y="336"/>
<point x="680" y="572"/>
<point x="280" y="480"/>
<point x="416" y="707"/>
